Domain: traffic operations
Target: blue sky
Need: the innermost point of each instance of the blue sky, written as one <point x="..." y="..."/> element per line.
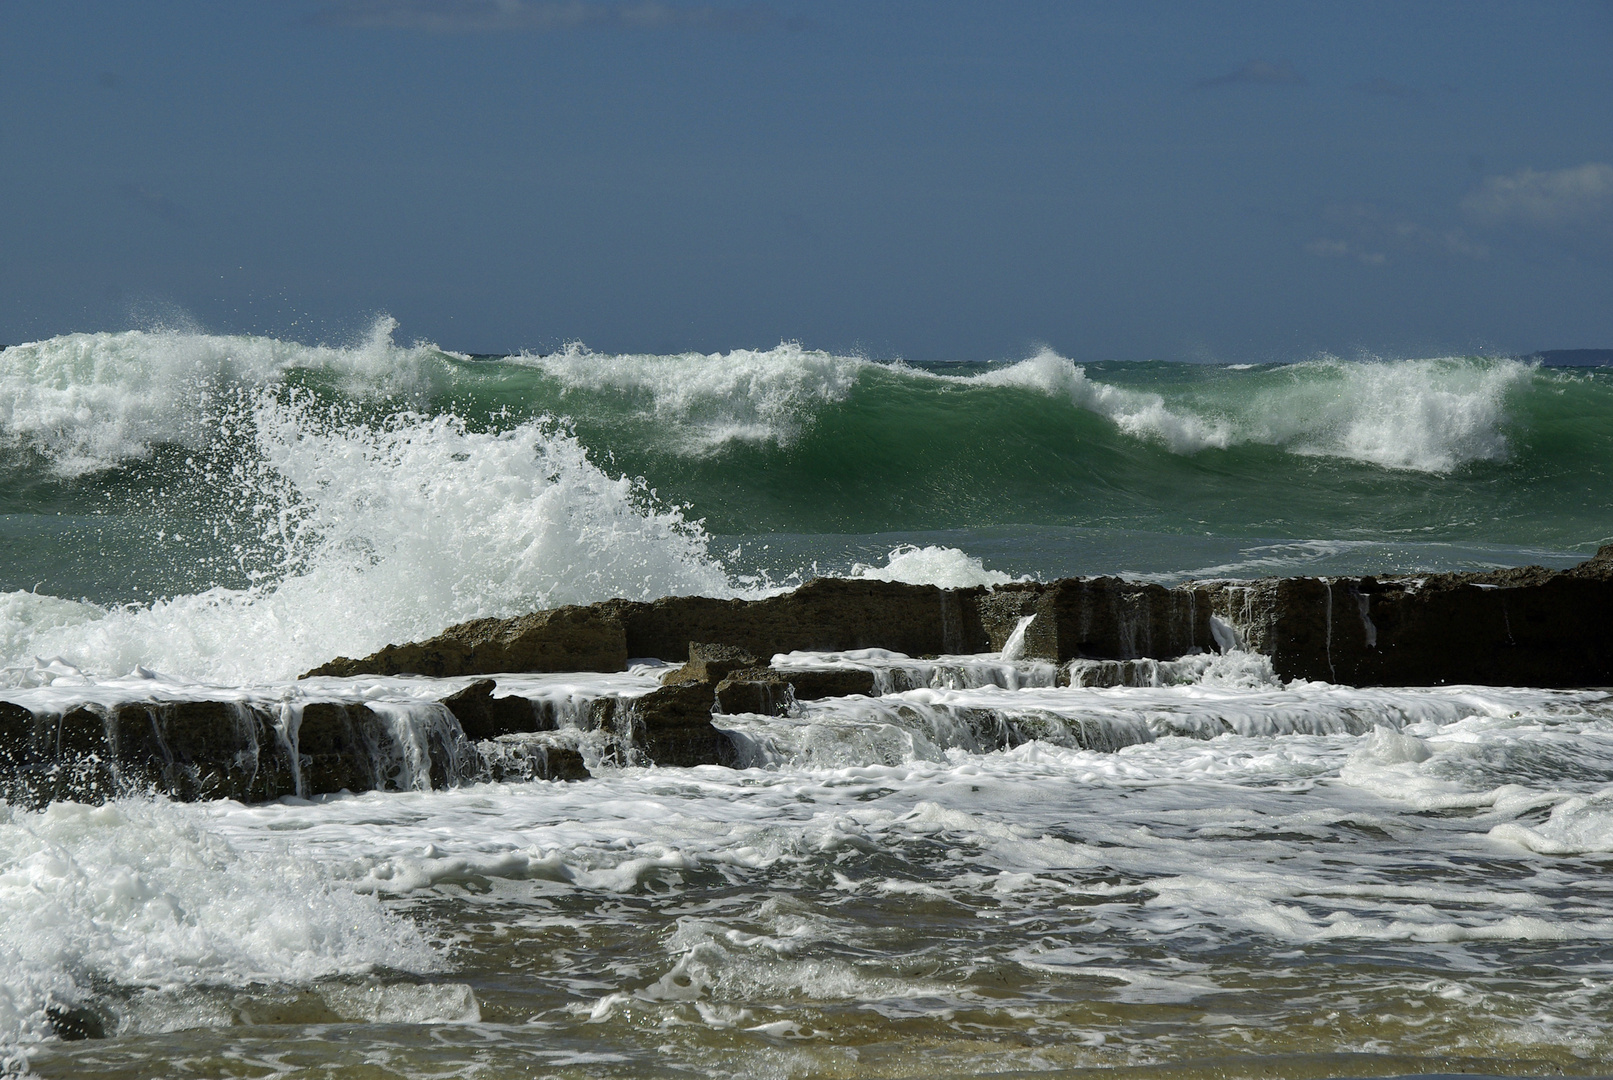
<point x="931" y="180"/>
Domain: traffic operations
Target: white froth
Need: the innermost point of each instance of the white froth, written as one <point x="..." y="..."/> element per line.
<point x="748" y="396"/>
<point x="1142" y="414"/>
<point x="145" y="895"/>
<point x="384" y="533"/>
<point x="1422" y="415"/>
<point x="947" y="567"/>
<point x="1289" y="816"/>
<point x="1428" y="415"/>
<point x="90" y="401"/>
<point x="1578" y="825"/>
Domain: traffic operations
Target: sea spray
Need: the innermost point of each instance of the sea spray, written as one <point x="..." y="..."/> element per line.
<point x="1192" y="862"/>
<point x="365" y="533"/>
<point x="90" y="401"/>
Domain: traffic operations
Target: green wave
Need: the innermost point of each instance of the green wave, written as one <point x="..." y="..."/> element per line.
<point x="107" y="440"/>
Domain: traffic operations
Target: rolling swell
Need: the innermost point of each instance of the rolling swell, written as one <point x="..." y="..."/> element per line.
<point x="270" y="503"/>
<point x="1444" y="448"/>
<point x="794" y="440"/>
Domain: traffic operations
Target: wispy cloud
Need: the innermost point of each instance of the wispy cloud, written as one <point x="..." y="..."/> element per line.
<point x="1560" y="199"/>
<point x="1344" y="249"/>
<point x="1367" y="235"/>
<point x="154" y="202"/>
<point x="1256" y="73"/>
<point x="534" y="16"/>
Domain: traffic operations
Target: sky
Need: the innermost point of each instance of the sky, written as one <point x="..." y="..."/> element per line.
<point x="935" y="181"/>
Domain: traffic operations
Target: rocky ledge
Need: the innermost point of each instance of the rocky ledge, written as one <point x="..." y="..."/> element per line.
<point x="1528" y="626"/>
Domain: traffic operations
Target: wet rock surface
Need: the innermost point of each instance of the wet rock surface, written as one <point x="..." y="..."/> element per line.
<point x="563" y="639"/>
<point x="193" y="750"/>
<point x="671" y="725"/>
<point x="1522" y="626"/>
<point x="483" y="716"/>
<point x="1525" y="626"/>
<point x="711" y="664"/>
<point x="810" y="684"/>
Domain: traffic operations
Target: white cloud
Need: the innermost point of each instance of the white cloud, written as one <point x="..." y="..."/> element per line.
<point x="1560" y="199"/>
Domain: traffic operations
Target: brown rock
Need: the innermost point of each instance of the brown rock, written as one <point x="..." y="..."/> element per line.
<point x="823" y="614"/>
<point x="512" y="759"/>
<point x="564" y="639"/>
<point x="1524" y="626"/>
<point x="483" y="716"/>
<point x="754" y="690"/>
<point x="1104" y="618"/>
<point x="710" y="664"/>
<point x="670" y="726"/>
<point x="200" y="750"/>
<point x="339" y="745"/>
<point x="810" y="684"/>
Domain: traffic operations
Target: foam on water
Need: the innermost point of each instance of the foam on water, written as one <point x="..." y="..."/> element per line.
<point x="143" y="896"/>
<point x="1424" y="415"/>
<point x="932" y="564"/>
<point x="1137" y="413"/>
<point x="1243" y="825"/>
<point x="88" y="401"/>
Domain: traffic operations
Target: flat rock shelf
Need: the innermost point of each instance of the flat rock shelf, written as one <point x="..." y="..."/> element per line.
<point x="553" y="695"/>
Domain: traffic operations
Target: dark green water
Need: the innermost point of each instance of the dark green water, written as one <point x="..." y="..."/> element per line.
<point x="114" y="443"/>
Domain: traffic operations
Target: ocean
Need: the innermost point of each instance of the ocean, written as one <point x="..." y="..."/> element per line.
<point x="1211" y="873"/>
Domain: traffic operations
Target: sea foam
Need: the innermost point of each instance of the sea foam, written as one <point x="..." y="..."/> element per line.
<point x="90" y="401"/>
<point x="142" y="895"/>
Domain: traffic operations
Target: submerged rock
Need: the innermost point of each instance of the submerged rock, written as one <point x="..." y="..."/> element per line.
<point x="521" y="758"/>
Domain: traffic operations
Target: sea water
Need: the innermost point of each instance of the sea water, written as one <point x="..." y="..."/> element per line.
<point x="977" y="869"/>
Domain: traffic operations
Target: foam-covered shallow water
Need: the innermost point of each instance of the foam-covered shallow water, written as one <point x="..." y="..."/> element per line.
<point x="976" y="870"/>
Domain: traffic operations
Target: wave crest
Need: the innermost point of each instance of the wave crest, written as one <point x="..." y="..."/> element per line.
<point x="1429" y="415"/>
<point x="91" y="401"/>
<point x="373" y="533"/>
<point x="709" y="400"/>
